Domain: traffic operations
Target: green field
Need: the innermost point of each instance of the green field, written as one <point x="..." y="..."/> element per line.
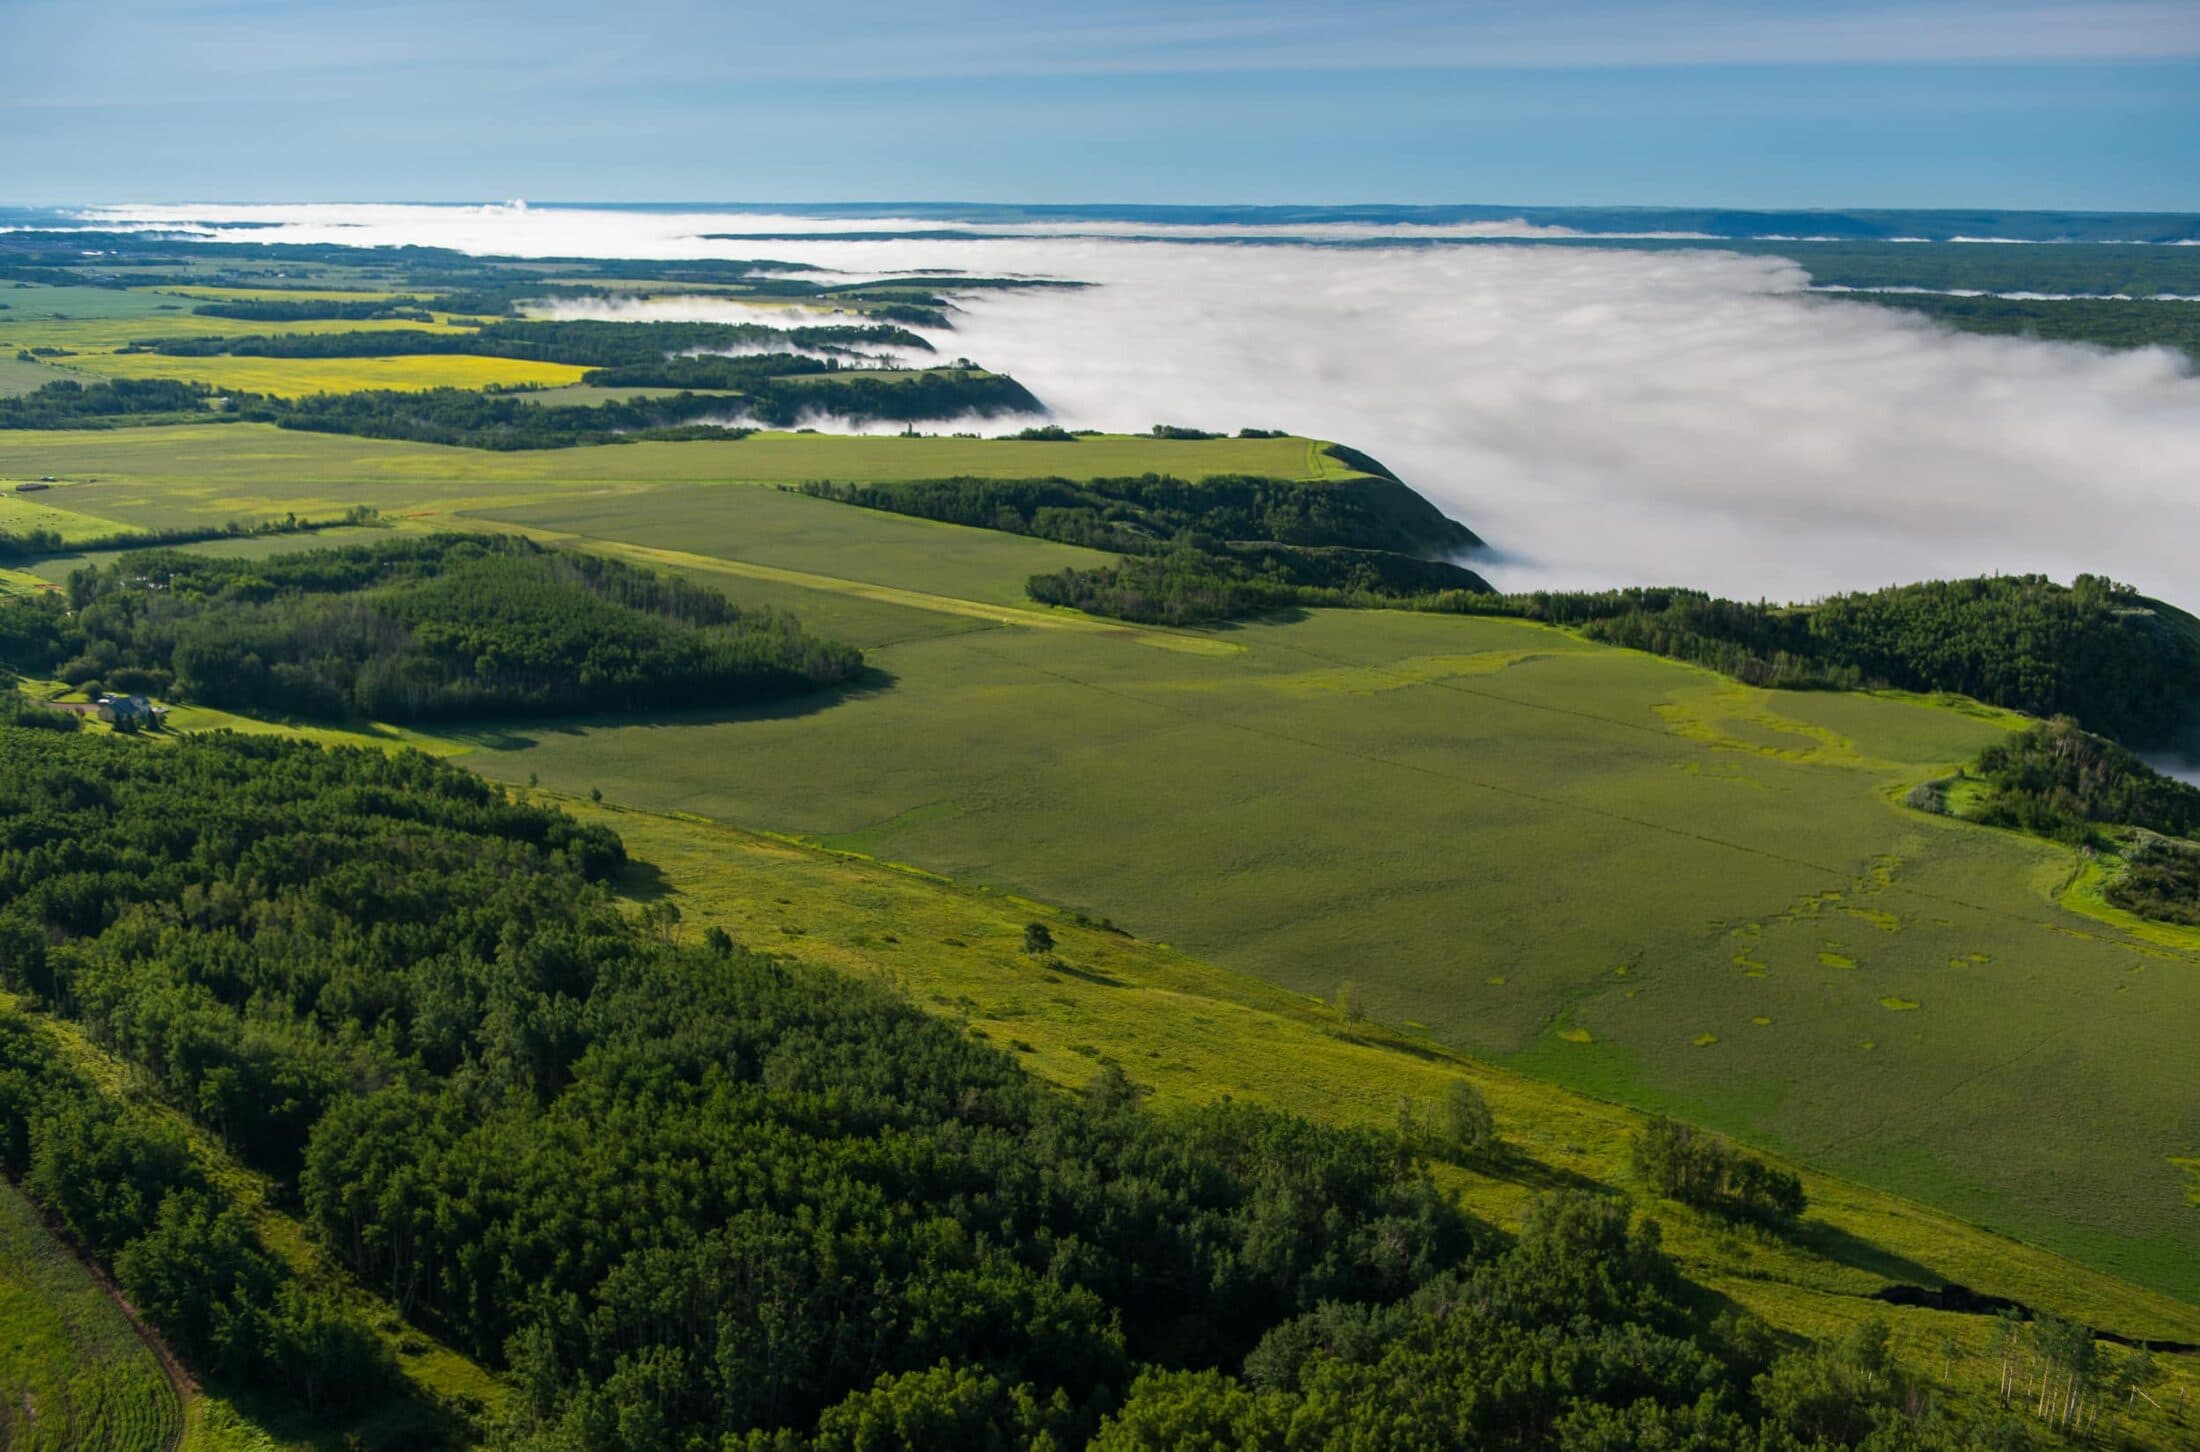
<point x="1190" y="1032"/>
<point x="1623" y="874"/>
<point x="18" y="376"/>
<point x="1619" y="873"/>
<point x="74" y="1373"/>
<point x="194" y="474"/>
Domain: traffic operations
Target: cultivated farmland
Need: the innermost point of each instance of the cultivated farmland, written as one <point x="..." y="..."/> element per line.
<point x="74" y="1373"/>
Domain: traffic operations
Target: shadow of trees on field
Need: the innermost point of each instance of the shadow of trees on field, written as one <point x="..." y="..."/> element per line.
<point x="520" y="735"/>
<point x="1847" y="1248"/>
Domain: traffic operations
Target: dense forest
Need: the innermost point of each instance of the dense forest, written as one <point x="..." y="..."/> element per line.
<point x="687" y="1196"/>
<point x="1184" y="584"/>
<point x="465" y="418"/>
<point x="447" y="627"/>
<point x="1225" y="546"/>
<point x="2058" y="781"/>
<point x="1152" y="511"/>
<point x="779" y="390"/>
<point x="317" y="309"/>
<point x="68" y="404"/>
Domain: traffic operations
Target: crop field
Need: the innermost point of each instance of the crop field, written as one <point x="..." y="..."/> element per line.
<point x="790" y="531"/>
<point x="94" y="321"/>
<point x="202" y="473"/>
<point x="22" y="513"/>
<point x="73" y="1372"/>
<point x="1190" y="1032"/>
<point x="297" y="377"/>
<point x="17" y="376"/>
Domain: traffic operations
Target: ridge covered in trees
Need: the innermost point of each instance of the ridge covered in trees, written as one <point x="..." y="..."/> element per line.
<point x="446" y="627"/>
<point x="1143" y="513"/>
<point x="2059" y="781"/>
<point x="2123" y="664"/>
<point x="682" y="1195"/>
<point x="1224" y="546"/>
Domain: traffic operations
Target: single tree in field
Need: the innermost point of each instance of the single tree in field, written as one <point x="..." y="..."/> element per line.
<point x="1348" y="1001"/>
<point x="1468" y="1123"/>
<point x="1038" y="939"/>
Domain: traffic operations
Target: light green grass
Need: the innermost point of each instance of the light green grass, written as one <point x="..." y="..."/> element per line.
<point x="1190" y="1032"/>
<point x="1474" y="820"/>
<point x="196" y="473"/>
<point x="796" y="532"/>
<point x="22" y="513"/>
<point x="17" y="376"/>
<point x="1423" y="804"/>
<point x="74" y="1374"/>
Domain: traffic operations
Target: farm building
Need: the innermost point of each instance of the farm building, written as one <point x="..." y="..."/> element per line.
<point x="129" y="711"/>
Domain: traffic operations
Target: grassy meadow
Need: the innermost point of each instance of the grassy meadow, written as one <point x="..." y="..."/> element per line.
<point x="209" y="473"/>
<point x="1618" y="873"/>
<point x="1190" y="1032"/>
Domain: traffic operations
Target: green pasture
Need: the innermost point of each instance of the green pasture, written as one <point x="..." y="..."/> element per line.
<point x="199" y="473"/>
<point x="22" y="513"/>
<point x="18" y="376"/>
<point x="92" y="321"/>
<point x="74" y="1373"/>
<point x="798" y="532"/>
<point x="1190" y="1032"/>
<point x="1620" y="873"/>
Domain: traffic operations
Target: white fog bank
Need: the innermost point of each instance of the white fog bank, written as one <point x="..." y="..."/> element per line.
<point x="1599" y="416"/>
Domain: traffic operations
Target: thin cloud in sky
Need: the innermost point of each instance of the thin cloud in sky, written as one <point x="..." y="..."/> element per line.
<point x="295" y="46"/>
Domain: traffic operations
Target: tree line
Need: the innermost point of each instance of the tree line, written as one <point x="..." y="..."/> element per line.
<point x="1143" y="513"/>
<point x="317" y="309"/>
<point x="446" y="627"/>
<point x="19" y="546"/>
<point x="779" y="390"/>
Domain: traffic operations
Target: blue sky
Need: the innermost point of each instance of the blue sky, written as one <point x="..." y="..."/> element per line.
<point x="2089" y="104"/>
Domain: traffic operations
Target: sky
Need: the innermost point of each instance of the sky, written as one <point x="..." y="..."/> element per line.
<point x="2074" y="104"/>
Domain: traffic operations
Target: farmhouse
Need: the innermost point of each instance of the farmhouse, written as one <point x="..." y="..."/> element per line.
<point x="129" y="711"/>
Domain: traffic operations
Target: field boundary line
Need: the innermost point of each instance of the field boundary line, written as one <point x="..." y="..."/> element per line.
<point x="1070" y="620"/>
